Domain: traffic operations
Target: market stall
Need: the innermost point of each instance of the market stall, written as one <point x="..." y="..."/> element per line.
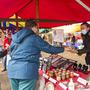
<point x="59" y="78"/>
<point x="52" y="13"/>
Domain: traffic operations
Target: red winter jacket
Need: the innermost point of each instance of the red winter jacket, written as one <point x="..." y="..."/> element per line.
<point x="7" y="42"/>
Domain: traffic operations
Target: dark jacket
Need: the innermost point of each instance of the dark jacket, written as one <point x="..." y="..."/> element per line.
<point x="86" y="49"/>
<point x="25" y="59"/>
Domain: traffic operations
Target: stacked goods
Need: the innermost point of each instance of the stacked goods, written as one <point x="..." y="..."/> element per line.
<point x="60" y="74"/>
<point x="57" y="61"/>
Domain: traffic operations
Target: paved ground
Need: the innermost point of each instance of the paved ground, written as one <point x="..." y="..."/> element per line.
<point x="5" y="82"/>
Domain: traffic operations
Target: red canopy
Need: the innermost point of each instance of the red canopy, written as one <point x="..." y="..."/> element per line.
<point x="66" y="11"/>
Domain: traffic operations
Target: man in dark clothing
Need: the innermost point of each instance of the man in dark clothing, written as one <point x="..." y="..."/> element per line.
<point x="73" y="40"/>
<point x="85" y="32"/>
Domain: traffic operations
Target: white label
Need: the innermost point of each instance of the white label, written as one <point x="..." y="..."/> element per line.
<point x="63" y="86"/>
<point x="45" y="60"/>
<point x="41" y="58"/>
<point x="46" y="76"/>
<point x="82" y="81"/>
<point x="75" y="74"/>
<point x="52" y="80"/>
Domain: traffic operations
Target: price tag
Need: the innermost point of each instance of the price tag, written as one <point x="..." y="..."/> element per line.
<point x="52" y="80"/>
<point x="46" y="76"/>
<point x="45" y="60"/>
<point x="63" y="86"/>
<point x="82" y="81"/>
<point x="75" y="74"/>
<point x="41" y="58"/>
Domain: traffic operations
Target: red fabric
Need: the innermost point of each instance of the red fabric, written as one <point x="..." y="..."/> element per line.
<point x="84" y="76"/>
<point x="57" y="87"/>
<point x="10" y="7"/>
<point x="6" y="41"/>
<point x="48" y="9"/>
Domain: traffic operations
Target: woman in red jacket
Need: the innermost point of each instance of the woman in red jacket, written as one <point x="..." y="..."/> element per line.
<point x="7" y="42"/>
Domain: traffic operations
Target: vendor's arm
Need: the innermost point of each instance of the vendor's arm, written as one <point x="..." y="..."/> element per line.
<point x="46" y="47"/>
<point x="82" y="51"/>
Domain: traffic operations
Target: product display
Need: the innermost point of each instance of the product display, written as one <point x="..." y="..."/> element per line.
<point x="80" y="67"/>
<point x="58" y="70"/>
<point x="63" y="62"/>
<point x="60" y="74"/>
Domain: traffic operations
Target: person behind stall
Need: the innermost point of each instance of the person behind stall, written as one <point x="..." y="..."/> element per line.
<point x="85" y="32"/>
<point x="7" y="42"/>
<point x="73" y="40"/>
<point x="25" y="51"/>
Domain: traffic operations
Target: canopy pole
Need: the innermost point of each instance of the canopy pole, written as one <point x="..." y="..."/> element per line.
<point x="40" y="20"/>
<point x="37" y="12"/>
<point x="37" y="9"/>
<point x="17" y="25"/>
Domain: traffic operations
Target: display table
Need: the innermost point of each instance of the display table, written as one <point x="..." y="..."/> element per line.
<point x="57" y="87"/>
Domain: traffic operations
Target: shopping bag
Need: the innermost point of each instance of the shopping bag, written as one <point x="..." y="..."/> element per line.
<point x="3" y="53"/>
<point x="8" y="59"/>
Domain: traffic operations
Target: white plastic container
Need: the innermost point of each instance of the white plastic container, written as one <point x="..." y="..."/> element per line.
<point x="71" y="85"/>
